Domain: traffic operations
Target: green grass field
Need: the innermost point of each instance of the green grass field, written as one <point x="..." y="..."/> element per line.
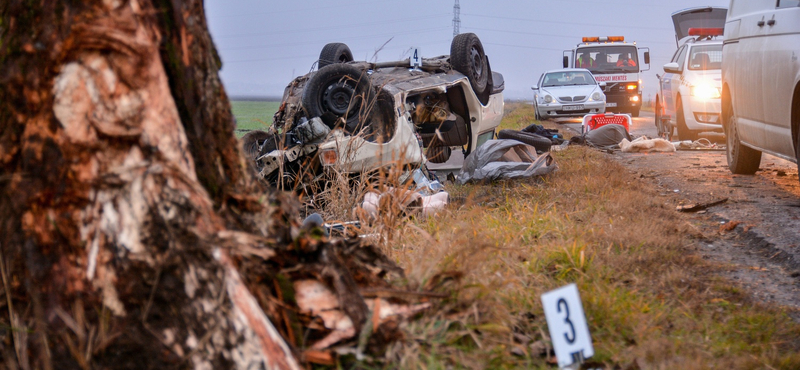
<point x="253" y="115"/>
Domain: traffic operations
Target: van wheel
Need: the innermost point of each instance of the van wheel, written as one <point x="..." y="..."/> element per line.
<point x="742" y="160"/>
<point x="339" y="90"/>
<point x="683" y="132"/>
<point x="541" y="143"/>
<point x="335" y="52"/>
<point x="467" y="56"/>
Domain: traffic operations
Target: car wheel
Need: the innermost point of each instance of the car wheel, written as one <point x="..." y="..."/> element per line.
<point x="252" y="142"/>
<point x="541" y="143"/>
<point x="335" y="52"/>
<point x="742" y="160"/>
<point x="683" y="132"/>
<point x="339" y="90"/>
<point x="536" y="114"/>
<point x="467" y="57"/>
<point x="661" y="132"/>
<point x="635" y="113"/>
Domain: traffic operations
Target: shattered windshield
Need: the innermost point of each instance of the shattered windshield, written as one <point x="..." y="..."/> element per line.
<point x="706" y="57"/>
<point x="569" y="78"/>
<point x="608" y="59"/>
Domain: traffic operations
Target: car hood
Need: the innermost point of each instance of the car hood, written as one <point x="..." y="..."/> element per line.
<point x="702" y="17"/>
<point x="557" y="91"/>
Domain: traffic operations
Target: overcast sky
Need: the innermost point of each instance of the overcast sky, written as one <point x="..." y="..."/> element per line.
<point x="264" y="44"/>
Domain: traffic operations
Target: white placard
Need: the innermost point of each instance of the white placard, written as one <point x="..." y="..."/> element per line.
<point x="567" y="323"/>
<point x="416" y="58"/>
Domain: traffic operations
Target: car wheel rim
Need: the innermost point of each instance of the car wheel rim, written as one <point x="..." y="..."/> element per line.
<point x="337" y="98"/>
<point x="477" y="61"/>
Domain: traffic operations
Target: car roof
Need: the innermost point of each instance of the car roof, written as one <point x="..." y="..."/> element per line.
<point x="568" y="70"/>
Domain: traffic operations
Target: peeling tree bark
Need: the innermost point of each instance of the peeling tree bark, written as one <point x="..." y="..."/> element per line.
<point x="130" y="231"/>
<point x="116" y="238"/>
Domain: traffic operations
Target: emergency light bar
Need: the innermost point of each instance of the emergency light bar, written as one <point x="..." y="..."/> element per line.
<point x="706" y="31"/>
<point x="604" y="39"/>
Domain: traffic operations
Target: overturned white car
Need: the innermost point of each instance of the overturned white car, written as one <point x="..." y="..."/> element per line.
<point x="360" y="116"/>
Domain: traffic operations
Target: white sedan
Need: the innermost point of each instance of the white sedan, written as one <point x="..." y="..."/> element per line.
<point x="569" y="92"/>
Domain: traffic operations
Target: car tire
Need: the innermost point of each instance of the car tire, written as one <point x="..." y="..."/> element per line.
<point x="683" y="131"/>
<point x="536" y="115"/>
<point x="252" y="142"/>
<point x="339" y="90"/>
<point x="742" y="160"/>
<point x="467" y="56"/>
<point x="335" y="52"/>
<point x="660" y="131"/>
<point x="635" y="113"/>
<point x="541" y="143"/>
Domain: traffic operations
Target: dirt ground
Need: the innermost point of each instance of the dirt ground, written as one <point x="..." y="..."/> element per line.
<point x="754" y="235"/>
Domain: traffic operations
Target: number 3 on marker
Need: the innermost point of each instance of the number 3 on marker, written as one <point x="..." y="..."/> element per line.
<point x="563" y="302"/>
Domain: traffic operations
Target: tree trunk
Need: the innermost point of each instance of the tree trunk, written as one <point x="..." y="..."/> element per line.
<point x="122" y="190"/>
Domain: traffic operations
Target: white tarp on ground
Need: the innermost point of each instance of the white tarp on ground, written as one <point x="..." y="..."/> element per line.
<point x="643" y="144"/>
<point x="505" y="159"/>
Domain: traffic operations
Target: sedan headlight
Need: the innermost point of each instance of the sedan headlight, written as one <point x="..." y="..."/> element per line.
<point x="704" y="90"/>
<point x="548" y="99"/>
<point x="597" y="96"/>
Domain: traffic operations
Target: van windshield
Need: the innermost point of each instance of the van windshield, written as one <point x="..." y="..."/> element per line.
<point x="705" y="57"/>
<point x="608" y="59"/>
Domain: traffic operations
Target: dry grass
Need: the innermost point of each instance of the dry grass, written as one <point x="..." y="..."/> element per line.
<point x="650" y="302"/>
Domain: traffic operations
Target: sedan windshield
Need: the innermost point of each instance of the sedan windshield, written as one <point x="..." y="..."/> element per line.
<point x="705" y="57"/>
<point x="569" y="78"/>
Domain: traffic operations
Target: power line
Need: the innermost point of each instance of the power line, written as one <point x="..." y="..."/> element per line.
<point x="328" y="28"/>
<point x="315" y="55"/>
<point x="366" y="37"/>
<point x="646" y="42"/>
<point x="561" y="22"/>
<point x="304" y="10"/>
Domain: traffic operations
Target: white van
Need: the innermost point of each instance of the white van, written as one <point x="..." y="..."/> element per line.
<point x="761" y="82"/>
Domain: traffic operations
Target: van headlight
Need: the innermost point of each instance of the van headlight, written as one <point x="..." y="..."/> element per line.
<point x="597" y="96"/>
<point x="704" y="90"/>
<point x="548" y="99"/>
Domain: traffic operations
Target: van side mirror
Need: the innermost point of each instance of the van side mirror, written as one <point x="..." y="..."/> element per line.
<point x="672" y="68"/>
<point x="647" y="57"/>
<point x="566" y="61"/>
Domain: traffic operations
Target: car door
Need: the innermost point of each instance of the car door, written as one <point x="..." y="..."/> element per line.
<point x="671" y="82"/>
<point x="779" y="69"/>
<point x="745" y="32"/>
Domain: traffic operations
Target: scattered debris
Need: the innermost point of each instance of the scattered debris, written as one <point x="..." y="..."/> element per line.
<point x="700" y="144"/>
<point x="603" y="137"/>
<point x="699" y="206"/>
<point x="729" y="226"/>
<point x="505" y="159"/>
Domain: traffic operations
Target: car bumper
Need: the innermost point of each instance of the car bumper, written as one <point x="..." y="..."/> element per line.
<point x="563" y="110"/>
<point x="703" y="115"/>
